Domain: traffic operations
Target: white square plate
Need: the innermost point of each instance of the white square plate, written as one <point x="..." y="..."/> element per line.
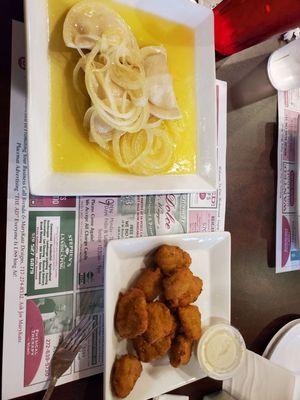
<point x="44" y="181"/>
<point x="210" y="254"/>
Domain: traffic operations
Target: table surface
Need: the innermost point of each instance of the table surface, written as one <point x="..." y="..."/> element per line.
<point x="261" y="300"/>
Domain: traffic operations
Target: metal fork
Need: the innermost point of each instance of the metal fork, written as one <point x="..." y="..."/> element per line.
<point x="67" y="350"/>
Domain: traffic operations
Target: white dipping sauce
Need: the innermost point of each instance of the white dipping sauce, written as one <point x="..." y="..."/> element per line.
<point x="220" y="351"/>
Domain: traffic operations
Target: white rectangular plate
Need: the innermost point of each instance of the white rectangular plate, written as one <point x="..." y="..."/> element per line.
<point x="44" y="181"/>
<point x="210" y="254"/>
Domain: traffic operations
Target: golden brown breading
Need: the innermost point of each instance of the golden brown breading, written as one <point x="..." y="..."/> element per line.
<point x="174" y="328"/>
<point x="125" y="372"/>
<point x="182" y="288"/>
<point x="190" y="321"/>
<point x="148" y="352"/>
<point x="160" y="322"/>
<point x="181" y="351"/>
<point x="131" y="314"/>
<point x="171" y="258"/>
<point x="150" y="282"/>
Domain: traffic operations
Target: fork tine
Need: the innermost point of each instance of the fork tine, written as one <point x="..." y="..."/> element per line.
<point x="89" y="333"/>
<point x="74" y="332"/>
<point x="84" y="333"/>
<point x="84" y="305"/>
<point x="92" y="326"/>
<point x="78" y="331"/>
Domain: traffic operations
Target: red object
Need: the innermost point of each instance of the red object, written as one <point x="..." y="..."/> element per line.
<point x="242" y="23"/>
<point x="34" y="342"/>
<point x="55" y="201"/>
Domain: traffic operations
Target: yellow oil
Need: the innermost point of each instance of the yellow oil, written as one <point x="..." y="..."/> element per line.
<point x="71" y="149"/>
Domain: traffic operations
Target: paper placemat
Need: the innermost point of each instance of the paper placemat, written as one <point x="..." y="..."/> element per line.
<point x="56" y="247"/>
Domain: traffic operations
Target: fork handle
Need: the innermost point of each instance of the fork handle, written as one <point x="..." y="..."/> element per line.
<point x="50" y="389"/>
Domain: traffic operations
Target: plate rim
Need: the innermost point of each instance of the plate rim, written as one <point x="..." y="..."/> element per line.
<point x="274" y="342"/>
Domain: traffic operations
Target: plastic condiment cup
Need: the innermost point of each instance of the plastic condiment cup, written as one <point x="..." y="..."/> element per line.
<point x="221" y="351"/>
<point x="284" y="66"/>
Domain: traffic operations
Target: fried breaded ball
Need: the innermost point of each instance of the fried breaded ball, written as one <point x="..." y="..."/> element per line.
<point x="182" y="288"/>
<point x="131" y="314"/>
<point x="181" y="351"/>
<point x="171" y="258"/>
<point x="150" y="282"/>
<point x="125" y="372"/>
<point x="148" y="352"/>
<point x="160" y="322"/>
<point x="190" y="321"/>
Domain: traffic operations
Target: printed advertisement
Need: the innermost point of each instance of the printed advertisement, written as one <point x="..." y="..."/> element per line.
<point x="287" y="220"/>
<point x="51" y="238"/>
